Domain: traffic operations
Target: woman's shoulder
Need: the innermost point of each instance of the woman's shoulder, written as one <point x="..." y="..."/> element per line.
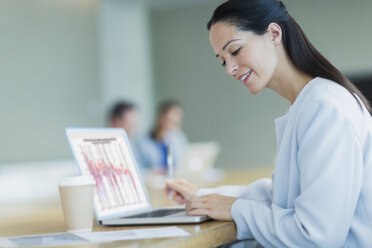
<point x="321" y="89"/>
<point x="324" y="93"/>
<point x="326" y="100"/>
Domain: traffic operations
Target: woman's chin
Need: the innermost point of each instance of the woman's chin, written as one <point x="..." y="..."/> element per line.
<point x="253" y="90"/>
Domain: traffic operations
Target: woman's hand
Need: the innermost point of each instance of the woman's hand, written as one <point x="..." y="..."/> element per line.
<point x="182" y="190"/>
<point x="216" y="206"/>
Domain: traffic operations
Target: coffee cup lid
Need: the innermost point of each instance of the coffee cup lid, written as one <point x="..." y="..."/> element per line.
<point x="77" y="181"/>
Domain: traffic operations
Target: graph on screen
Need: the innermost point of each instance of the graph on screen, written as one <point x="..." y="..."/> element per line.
<point x="109" y="161"/>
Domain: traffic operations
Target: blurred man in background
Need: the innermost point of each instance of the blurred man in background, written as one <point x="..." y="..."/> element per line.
<point x="124" y="115"/>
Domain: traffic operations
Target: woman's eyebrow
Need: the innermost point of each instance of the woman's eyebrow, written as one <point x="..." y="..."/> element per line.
<point x="224" y="47"/>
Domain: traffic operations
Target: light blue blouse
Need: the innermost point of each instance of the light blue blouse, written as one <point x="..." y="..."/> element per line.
<point x="320" y="194"/>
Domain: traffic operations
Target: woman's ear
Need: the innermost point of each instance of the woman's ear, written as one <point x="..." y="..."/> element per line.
<point x="275" y="32"/>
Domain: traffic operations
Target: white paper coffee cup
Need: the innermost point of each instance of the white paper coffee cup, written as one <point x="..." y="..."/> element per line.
<point x="77" y="198"/>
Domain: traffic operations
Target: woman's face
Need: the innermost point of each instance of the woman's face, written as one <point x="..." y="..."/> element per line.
<point x="249" y="58"/>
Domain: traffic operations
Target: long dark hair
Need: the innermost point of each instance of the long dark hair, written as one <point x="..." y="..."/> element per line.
<point x="256" y="15"/>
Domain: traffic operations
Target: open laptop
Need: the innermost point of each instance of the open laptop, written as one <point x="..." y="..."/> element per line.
<point x="121" y="197"/>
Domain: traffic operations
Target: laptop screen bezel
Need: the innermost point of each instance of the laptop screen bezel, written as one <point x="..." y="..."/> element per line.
<point x="102" y="216"/>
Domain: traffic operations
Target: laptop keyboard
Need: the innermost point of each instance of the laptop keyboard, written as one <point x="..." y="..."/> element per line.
<point x="156" y="213"/>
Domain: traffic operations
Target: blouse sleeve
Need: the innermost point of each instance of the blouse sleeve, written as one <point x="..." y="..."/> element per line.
<point x="259" y="190"/>
<point x="330" y="164"/>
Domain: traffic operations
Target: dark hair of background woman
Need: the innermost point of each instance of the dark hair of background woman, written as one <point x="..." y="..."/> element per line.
<point x="256" y="15"/>
<point x="163" y="109"/>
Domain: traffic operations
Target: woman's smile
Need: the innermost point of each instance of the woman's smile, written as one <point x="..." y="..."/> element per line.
<point x="244" y="78"/>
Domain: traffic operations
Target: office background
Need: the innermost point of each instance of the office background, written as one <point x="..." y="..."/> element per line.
<point x="64" y="62"/>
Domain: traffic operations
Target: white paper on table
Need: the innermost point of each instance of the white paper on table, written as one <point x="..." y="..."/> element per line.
<point x="4" y="242"/>
<point x="66" y="239"/>
<point x="144" y="233"/>
<point x="53" y="239"/>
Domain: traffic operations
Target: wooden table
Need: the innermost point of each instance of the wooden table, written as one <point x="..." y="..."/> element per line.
<point x="47" y="217"/>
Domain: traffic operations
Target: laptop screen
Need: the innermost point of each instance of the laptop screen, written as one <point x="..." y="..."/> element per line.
<point x="106" y="155"/>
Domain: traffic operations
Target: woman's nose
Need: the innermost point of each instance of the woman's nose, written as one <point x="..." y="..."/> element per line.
<point x="231" y="68"/>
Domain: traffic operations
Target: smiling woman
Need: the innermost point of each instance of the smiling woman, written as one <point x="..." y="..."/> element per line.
<point x="245" y="52"/>
<point x="324" y="139"/>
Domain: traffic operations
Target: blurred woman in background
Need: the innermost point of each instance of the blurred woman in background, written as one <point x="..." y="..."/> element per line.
<point x="166" y="132"/>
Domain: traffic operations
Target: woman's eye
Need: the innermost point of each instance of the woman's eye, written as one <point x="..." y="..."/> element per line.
<point x="234" y="53"/>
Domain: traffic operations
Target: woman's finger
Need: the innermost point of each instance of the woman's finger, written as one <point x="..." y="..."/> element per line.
<point x="166" y="190"/>
<point x="182" y="182"/>
<point x="174" y="185"/>
<point x="178" y="198"/>
<point x="196" y="203"/>
<point x="182" y="189"/>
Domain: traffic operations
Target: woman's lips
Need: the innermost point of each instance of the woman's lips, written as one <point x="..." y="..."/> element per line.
<point x="245" y="77"/>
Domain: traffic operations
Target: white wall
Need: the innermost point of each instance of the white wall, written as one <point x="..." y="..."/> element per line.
<point x="125" y="56"/>
<point x="48" y="75"/>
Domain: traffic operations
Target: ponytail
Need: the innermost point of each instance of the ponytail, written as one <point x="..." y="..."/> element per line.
<point x="307" y="58"/>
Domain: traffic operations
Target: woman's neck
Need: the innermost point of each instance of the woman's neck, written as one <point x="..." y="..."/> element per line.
<point x="288" y="80"/>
